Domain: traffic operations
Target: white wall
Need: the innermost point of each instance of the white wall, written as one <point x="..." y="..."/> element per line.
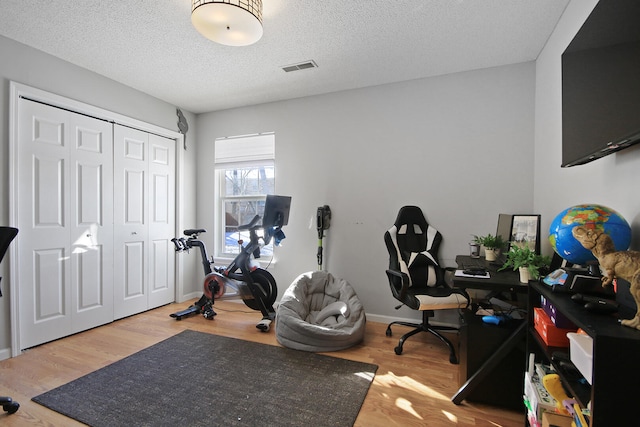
<point x="464" y="147"/>
<point x="611" y="181"/>
<point x="37" y="69"/>
<point x="460" y="146"/>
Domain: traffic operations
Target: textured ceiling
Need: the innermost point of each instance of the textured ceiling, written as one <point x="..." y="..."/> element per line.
<point x="150" y="45"/>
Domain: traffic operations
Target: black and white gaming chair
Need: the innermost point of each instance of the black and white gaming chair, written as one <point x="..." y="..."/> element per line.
<point x="416" y="277"/>
<point x="7" y="234"/>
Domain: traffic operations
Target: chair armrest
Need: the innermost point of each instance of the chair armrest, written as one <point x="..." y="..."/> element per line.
<point x="399" y="282"/>
<point x="449" y="272"/>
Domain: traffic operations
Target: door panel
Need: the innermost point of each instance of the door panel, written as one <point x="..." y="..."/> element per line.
<point x="50" y="302"/>
<point x="162" y="220"/>
<point x="43" y="253"/>
<point x="131" y="207"/>
<point x="91" y="157"/>
<point x="47" y="187"/>
<point x="64" y="160"/>
<point x="134" y="271"/>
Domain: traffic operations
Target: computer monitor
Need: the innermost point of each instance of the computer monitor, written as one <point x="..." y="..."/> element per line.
<point x="276" y="211"/>
<point x="505" y="222"/>
<point x="520" y="229"/>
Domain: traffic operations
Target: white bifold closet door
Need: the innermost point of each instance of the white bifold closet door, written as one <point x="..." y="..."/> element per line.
<point x="66" y="222"/>
<point x="96" y="213"/>
<point x="144" y="188"/>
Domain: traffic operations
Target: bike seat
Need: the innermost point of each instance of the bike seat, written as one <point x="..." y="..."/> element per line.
<point x="192" y="231"/>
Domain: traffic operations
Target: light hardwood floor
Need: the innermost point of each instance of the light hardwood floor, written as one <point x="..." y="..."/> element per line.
<point x="413" y="389"/>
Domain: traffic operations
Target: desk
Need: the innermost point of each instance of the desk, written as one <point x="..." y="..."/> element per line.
<point x="499" y="282"/>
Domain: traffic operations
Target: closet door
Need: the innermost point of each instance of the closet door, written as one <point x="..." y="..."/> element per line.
<point x="144" y="182"/>
<point x="91" y="209"/>
<point x="65" y="221"/>
<point x="131" y="226"/>
<point x="162" y="218"/>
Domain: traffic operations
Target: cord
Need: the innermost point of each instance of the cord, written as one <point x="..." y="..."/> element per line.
<point x="234" y="311"/>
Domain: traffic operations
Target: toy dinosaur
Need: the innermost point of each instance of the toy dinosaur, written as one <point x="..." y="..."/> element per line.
<point x="622" y="264"/>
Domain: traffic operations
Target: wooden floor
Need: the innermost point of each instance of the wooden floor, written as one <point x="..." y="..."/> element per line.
<point x="413" y="389"/>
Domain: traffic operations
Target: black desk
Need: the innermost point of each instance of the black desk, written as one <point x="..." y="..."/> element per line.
<point x="499" y="282"/>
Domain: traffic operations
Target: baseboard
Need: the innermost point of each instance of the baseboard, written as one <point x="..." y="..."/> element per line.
<point x="5" y="353"/>
<point x="448" y="318"/>
<point x="436" y="322"/>
<point x="238" y="300"/>
<point x="388" y="319"/>
<point x="190" y="296"/>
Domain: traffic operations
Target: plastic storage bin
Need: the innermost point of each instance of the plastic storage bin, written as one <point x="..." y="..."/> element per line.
<point x="581" y="353"/>
<point x="550" y="333"/>
<point x="556" y="316"/>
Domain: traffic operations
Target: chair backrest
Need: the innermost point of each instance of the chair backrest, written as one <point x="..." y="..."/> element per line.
<point x="413" y="247"/>
<point x="7" y="234"/>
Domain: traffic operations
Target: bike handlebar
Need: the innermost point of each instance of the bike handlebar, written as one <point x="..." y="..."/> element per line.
<point x="180" y="244"/>
<point x="251" y="225"/>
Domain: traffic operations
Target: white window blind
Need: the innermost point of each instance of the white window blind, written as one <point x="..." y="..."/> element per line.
<point x="238" y="151"/>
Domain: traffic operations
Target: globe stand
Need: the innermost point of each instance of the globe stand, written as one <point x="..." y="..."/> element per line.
<point x="593" y="267"/>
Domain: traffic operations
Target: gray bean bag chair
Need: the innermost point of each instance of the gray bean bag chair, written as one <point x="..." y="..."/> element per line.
<point x="319" y="312"/>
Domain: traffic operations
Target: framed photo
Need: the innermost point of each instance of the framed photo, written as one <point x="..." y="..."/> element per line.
<point x="520" y="230"/>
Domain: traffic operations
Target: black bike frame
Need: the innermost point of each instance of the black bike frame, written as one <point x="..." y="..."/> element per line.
<point x="242" y="262"/>
<point x="240" y="268"/>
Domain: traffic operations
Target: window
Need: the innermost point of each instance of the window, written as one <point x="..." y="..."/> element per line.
<point x="245" y="174"/>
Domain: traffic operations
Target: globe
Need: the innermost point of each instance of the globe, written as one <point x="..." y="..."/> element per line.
<point x="588" y="215"/>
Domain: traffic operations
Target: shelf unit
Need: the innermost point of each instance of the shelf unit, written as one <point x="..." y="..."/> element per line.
<point x="616" y="359"/>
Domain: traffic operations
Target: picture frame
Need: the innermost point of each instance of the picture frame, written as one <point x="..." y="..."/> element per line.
<point x="521" y="229"/>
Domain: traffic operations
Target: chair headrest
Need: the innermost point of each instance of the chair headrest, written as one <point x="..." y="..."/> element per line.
<point x="411" y="215"/>
<point x="411" y="228"/>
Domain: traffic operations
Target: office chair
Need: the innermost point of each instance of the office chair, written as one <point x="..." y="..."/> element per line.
<point x="416" y="276"/>
<point x="7" y="234"/>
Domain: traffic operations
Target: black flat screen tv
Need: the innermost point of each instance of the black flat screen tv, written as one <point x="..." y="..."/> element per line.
<point x="601" y="84"/>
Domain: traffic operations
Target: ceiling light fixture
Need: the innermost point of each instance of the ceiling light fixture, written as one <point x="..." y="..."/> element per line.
<point x="228" y="22"/>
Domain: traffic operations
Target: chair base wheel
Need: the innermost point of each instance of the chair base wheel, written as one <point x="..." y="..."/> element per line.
<point x="11" y="408"/>
<point x="425" y="327"/>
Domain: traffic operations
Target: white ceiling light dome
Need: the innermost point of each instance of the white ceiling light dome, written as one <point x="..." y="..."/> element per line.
<point x="228" y="22"/>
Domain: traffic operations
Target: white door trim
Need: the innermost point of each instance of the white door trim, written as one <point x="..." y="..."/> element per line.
<point x="19" y="90"/>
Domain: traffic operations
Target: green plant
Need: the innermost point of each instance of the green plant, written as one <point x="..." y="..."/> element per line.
<point x="490" y="241"/>
<point x="521" y="255"/>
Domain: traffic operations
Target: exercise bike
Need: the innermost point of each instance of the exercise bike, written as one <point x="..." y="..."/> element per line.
<point x="242" y="278"/>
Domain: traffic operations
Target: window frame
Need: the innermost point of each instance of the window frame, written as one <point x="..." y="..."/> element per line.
<point x="255" y="156"/>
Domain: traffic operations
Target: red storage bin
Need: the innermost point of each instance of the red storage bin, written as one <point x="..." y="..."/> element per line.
<point x="550" y="333"/>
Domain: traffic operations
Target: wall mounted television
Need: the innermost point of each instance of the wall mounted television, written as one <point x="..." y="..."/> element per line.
<point x="601" y="84"/>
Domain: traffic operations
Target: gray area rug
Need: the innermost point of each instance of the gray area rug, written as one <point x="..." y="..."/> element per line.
<point x="199" y="379"/>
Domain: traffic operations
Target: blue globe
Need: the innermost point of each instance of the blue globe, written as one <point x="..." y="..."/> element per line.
<point x="593" y="216"/>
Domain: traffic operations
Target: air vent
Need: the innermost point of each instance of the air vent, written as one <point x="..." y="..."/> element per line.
<point x="301" y="66"/>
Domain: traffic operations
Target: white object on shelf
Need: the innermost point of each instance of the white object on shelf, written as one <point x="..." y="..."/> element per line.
<point x="581" y="352"/>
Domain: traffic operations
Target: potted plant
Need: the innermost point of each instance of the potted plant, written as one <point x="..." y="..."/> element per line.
<point x="493" y="245"/>
<point x="520" y="257"/>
